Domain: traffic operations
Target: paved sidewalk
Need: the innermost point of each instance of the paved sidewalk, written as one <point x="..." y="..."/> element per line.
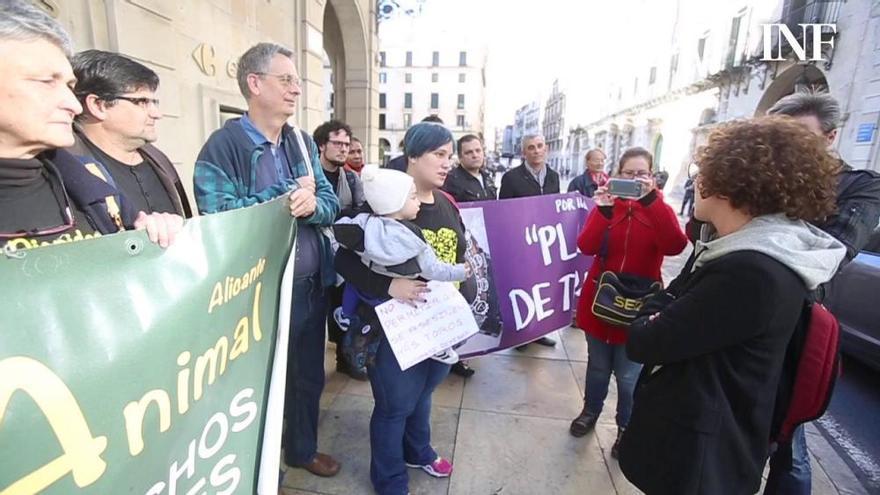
<point x="506" y="430"/>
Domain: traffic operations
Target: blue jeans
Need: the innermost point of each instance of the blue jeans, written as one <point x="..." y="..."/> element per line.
<point x="305" y="371"/>
<point x="796" y="480"/>
<point x="603" y="359"/>
<point x="400" y="428"/>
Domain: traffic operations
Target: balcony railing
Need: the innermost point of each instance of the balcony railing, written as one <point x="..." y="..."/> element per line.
<point x="816" y="12"/>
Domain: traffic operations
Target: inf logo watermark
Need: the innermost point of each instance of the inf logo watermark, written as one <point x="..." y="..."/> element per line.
<point x="811" y="34"/>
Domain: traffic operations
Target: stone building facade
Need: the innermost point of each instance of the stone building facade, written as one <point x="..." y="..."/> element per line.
<point x="554" y="129"/>
<point x="428" y="69"/>
<point x="194" y="44"/>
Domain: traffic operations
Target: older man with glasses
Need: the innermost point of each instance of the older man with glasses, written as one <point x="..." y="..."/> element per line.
<point x="254" y="159"/>
<point x="48" y="195"/>
<point x="118" y="123"/>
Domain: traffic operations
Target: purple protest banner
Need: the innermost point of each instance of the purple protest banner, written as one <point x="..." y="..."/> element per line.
<point x="528" y="268"/>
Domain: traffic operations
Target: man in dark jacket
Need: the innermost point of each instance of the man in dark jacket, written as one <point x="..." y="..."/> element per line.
<point x="257" y="158"/>
<point x="118" y="123"/>
<point x="470" y="181"/>
<point x="532" y="178"/>
<point x="594" y="175"/>
<point x="858" y="210"/>
<point x="48" y="195"/>
<point x="334" y="141"/>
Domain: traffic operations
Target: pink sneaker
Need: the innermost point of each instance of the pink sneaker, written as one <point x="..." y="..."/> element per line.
<point x="440" y="468"/>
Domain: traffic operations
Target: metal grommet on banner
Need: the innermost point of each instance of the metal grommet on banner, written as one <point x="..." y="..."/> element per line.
<point x="10" y="252"/>
<point x="134" y="246"/>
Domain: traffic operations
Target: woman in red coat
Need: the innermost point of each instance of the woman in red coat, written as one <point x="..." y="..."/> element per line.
<point x="640" y="233"/>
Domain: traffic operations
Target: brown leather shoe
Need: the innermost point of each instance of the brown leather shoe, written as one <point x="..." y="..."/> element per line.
<point x="323" y="465"/>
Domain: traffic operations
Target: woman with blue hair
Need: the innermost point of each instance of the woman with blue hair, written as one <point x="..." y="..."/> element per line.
<point x="400" y="426"/>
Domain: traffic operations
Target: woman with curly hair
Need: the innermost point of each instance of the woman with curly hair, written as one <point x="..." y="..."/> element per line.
<point x="713" y="344"/>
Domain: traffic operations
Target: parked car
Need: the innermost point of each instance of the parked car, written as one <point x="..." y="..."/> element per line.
<point x="853" y="298"/>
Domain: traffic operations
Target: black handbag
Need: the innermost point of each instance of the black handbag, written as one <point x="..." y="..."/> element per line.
<point x="620" y="296"/>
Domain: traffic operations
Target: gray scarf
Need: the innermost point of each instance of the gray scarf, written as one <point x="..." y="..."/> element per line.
<point x="805" y="249"/>
<point x="343" y="190"/>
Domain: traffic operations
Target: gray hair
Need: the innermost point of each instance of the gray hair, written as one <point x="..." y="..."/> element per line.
<point x="819" y="104"/>
<point x="256" y="60"/>
<point x="529" y="137"/>
<point x="592" y="151"/>
<point x="20" y="20"/>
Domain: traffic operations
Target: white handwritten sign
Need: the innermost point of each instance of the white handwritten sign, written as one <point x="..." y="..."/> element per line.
<point x="417" y="333"/>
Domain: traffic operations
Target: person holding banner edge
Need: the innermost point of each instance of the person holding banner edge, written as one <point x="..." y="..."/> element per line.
<point x="533" y="178"/>
<point x="118" y="126"/>
<point x="48" y="194"/>
<point x="254" y="159"/>
<point x="470" y="182"/>
<point x="400" y="431"/>
<point x="627" y="237"/>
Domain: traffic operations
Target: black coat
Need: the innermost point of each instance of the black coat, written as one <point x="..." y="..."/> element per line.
<point x="90" y="193"/>
<point x="465" y="187"/>
<point x="399" y="163"/>
<point x="858" y="209"/>
<point x="519" y="182"/>
<point x="161" y="164"/>
<point x="583" y="184"/>
<point x="701" y="421"/>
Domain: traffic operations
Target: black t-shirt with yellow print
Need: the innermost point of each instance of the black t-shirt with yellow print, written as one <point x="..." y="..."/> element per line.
<point x="441" y="226"/>
<point x="34" y="208"/>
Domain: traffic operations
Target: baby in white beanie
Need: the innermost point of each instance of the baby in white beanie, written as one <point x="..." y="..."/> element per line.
<point x="389" y="243"/>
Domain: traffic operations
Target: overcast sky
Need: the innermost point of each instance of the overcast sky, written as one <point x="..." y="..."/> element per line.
<point x="531" y="43"/>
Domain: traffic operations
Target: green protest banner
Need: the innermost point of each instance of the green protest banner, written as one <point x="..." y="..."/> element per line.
<point x="127" y="368"/>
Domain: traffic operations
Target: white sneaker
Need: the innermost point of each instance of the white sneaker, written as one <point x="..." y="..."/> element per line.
<point x="447" y="356"/>
<point x="341" y="319"/>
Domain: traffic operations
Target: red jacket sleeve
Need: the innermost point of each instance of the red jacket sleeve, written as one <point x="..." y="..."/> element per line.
<point x="671" y="240"/>
<point x="590" y="238"/>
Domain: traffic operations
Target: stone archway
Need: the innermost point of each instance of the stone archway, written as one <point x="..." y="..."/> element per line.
<point x="786" y="82"/>
<point x="348" y="43"/>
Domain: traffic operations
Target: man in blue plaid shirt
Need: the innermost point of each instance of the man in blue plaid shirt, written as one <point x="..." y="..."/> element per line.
<point x="259" y="157"/>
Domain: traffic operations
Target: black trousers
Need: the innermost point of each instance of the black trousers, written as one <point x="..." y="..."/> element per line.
<point x="334" y="333"/>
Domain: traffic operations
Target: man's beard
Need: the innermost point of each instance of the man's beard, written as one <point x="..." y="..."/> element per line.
<point x="336" y="163"/>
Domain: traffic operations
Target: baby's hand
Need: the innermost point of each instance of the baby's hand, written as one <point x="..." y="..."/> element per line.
<point x="468" y="269"/>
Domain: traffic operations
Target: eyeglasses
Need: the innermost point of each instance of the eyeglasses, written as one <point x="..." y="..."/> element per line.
<point x="631" y="174"/>
<point x="339" y="144"/>
<point x="140" y="101"/>
<point x="286" y="80"/>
